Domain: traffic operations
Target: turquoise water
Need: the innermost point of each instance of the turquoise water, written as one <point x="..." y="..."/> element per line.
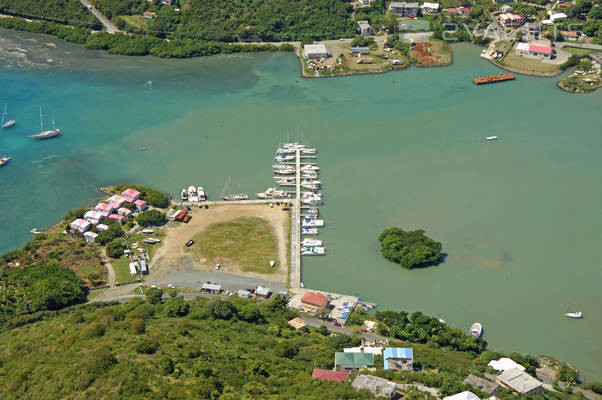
<point x="519" y="218"/>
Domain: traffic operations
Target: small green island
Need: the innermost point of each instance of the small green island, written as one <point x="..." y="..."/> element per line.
<point x="410" y="249"/>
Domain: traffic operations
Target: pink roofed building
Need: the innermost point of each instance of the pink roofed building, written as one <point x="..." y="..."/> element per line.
<point x="80" y="225"/>
<point x="510" y="20"/>
<point x="117" y="200"/>
<point x="140" y="205"/>
<point x="126" y="212"/>
<point x="458" y="10"/>
<point x="102" y="227"/>
<point x="116" y="218"/>
<point x="95" y="217"/>
<point x="131" y="195"/>
<point x="105" y="207"/>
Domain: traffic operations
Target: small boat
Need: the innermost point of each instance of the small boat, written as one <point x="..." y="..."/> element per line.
<point x="311" y="186"/>
<point x="310" y="167"/>
<point x="236" y="197"/>
<point x="46" y="134"/>
<point x="4" y="160"/>
<point x="285" y="171"/>
<point x="285" y="180"/>
<point x="192" y="194"/>
<point x="309" y="231"/>
<point x="272" y="263"/>
<point x="294" y="146"/>
<point x="313" y="210"/>
<point x="201" y="193"/>
<point x="313" y="223"/>
<point x="183" y="194"/>
<point x="273" y="193"/>
<point x="143" y="148"/>
<point x="476" y="330"/>
<point x="313" y="251"/>
<point x="572" y="314"/>
<point x="8" y="122"/>
<point x="284" y="157"/>
<point x="309" y="151"/>
<point x="491" y="138"/>
<point x="312" y="201"/>
<point x="309" y="174"/>
<point x="307" y="242"/>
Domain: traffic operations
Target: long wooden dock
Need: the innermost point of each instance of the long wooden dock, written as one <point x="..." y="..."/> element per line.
<point x="295" y="270"/>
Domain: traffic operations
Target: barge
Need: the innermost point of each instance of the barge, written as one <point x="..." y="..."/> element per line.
<point x="502" y="76"/>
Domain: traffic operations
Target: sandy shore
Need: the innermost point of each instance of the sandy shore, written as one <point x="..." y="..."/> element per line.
<point x="172" y="257"/>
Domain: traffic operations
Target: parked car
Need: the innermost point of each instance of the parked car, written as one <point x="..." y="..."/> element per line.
<point x="363" y="330"/>
<point x="189" y="243"/>
<point x="335" y="323"/>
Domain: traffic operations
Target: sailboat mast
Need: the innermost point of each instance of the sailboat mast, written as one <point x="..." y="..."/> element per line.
<point x="53" y="120"/>
<point x="3" y="115"/>
<point x="41" y="121"/>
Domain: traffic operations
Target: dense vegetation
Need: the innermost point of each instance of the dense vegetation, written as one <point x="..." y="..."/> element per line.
<point x="67" y="12"/>
<point x="151" y="218"/>
<point x="410" y="249"/>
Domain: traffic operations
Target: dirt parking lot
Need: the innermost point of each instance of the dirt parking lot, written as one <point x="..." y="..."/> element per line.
<point x="172" y="257"/>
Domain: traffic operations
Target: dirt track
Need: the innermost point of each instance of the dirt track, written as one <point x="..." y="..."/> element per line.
<point x="172" y="257"/>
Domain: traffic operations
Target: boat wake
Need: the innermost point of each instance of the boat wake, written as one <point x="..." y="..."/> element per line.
<point x="50" y="157"/>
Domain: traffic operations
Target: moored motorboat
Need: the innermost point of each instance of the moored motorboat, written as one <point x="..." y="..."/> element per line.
<point x="236" y="196"/>
<point x="284" y="157"/>
<point x="4" y="160"/>
<point x="183" y="194"/>
<point x="201" y="193"/>
<point x="476" y="330"/>
<point x="313" y="251"/>
<point x="192" y="194"/>
<point x="308" y="242"/>
<point x="273" y="193"/>
<point x="313" y="223"/>
<point x="492" y="138"/>
<point x="309" y="231"/>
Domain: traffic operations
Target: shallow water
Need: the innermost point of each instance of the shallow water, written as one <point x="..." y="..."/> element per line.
<point x="518" y="218"/>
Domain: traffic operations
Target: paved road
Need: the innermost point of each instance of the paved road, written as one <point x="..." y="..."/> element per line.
<point x="580" y="45"/>
<point x="110" y="269"/>
<point x="111" y="28"/>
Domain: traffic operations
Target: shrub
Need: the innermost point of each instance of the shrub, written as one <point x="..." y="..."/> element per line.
<point x="250" y="312"/>
<point x="116" y="248"/>
<point x="154" y="295"/>
<point x="176" y="307"/>
<point x="287" y="349"/>
<point x="95" y="329"/>
<point x="222" y="309"/>
<point x="100" y="361"/>
<point x="137" y="326"/>
<point x="167" y="365"/>
<point x="151" y="218"/>
<point x="147" y="346"/>
<point x="410" y="249"/>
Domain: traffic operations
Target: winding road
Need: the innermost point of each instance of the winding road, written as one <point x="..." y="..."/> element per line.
<point x="111" y="28"/>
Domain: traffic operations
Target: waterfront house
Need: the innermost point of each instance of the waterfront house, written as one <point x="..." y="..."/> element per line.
<point x="398" y="358"/>
<point x="532" y="29"/>
<point x="504" y="364"/>
<point x="117" y="200"/>
<point x="102" y="227"/>
<point x="314" y="302"/>
<point x="558" y="17"/>
<point x="533" y="50"/>
<point x="481" y="384"/>
<point x="520" y="381"/>
<point x="327" y="375"/>
<point x="365" y="28"/>
<point x="105" y="208"/>
<point x="403" y="9"/>
<point x="429" y="8"/>
<point x="80" y="225"/>
<point x="116" y="218"/>
<point x="466" y="395"/>
<point x="211" y="288"/>
<point x="352" y="361"/>
<point x="569" y="35"/>
<point x="140" y="205"/>
<point x="94" y="217"/>
<point x="297" y="323"/>
<point x="509" y="20"/>
<point x="131" y="195"/>
<point x="379" y="387"/>
<point x="126" y="212"/>
<point x="315" y="51"/>
<point x="263" y="292"/>
<point x="90" y="236"/>
<point x="149" y="15"/>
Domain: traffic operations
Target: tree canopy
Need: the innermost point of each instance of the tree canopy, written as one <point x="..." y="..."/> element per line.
<point x="410" y="249"/>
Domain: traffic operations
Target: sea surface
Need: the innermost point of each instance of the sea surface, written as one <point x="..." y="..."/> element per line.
<point x="519" y="218"/>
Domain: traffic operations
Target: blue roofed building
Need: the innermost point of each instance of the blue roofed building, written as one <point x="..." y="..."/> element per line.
<point x="398" y="358"/>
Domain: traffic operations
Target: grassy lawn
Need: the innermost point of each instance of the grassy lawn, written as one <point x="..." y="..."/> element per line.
<point x="250" y="242"/>
<point x="136" y="20"/>
<point x="527" y="64"/>
<point x="122" y="269"/>
<point x="577" y="50"/>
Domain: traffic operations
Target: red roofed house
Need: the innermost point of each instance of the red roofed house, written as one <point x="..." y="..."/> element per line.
<point x="540" y="51"/>
<point x="458" y="10"/>
<point x="140" y="205"/>
<point x="105" y="207"/>
<point x="124" y="211"/>
<point x="116" y="218"/>
<point x="131" y="195"/>
<point x="332" y="376"/>
<point x="314" y="302"/>
<point x="80" y="225"/>
<point x="95" y="217"/>
<point x="117" y="200"/>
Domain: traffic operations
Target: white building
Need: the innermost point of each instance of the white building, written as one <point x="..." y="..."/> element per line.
<point x="365" y="28"/>
<point x="80" y="225"/>
<point x="379" y="387"/>
<point x="90" y="236"/>
<point x="463" y="396"/>
<point x="520" y="382"/>
<point x="403" y="9"/>
<point x="94" y="217"/>
<point x="558" y="17"/>
<point x="504" y="363"/>
<point x="429" y="8"/>
<point x="365" y="2"/>
<point x="315" y="51"/>
<point x="510" y="20"/>
<point x="377" y="351"/>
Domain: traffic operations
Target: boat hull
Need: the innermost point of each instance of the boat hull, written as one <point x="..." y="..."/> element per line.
<point x="46" y="134"/>
<point x="9" y="124"/>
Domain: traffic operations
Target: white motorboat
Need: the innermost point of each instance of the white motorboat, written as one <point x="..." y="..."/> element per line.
<point x="313" y="210"/>
<point x="237" y="196"/>
<point x="201" y="193"/>
<point x="492" y="138"/>
<point x="313" y="251"/>
<point x="6" y="123"/>
<point x="184" y="194"/>
<point x="285" y="171"/>
<point x="575" y="314"/>
<point x="285" y="150"/>
<point x="285" y="180"/>
<point x="192" y="194"/>
<point x="312" y="186"/>
<point x="311" y="194"/>
<point x="273" y="193"/>
<point x="307" y="242"/>
<point x="313" y="223"/>
<point x="309" y="151"/>
<point x="476" y="330"/>
<point x="309" y="167"/>
<point x="46" y="134"/>
<point x="294" y="146"/>
<point x="309" y="174"/>
<point x="309" y="231"/>
<point x="312" y="201"/>
<point x="228" y="189"/>
<point x="284" y="157"/>
<point x="311" y="216"/>
<point x="4" y="160"/>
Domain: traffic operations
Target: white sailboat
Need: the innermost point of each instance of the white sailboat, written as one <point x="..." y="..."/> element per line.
<point x="232" y="197"/>
<point x="573" y="314"/>
<point x="8" y="122"/>
<point x="4" y="160"/>
<point x="46" y="134"/>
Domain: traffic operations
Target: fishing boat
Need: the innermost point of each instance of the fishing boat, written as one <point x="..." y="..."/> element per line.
<point x="6" y="123"/>
<point x="46" y="134"/>
<point x="273" y="193"/>
<point x="232" y="197"/>
<point x="572" y="314"/>
<point x="4" y="160"/>
<point x="192" y="194"/>
<point x="183" y="194"/>
<point x="309" y="231"/>
<point x="201" y="193"/>
<point x="476" y="330"/>
<point x="491" y="138"/>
